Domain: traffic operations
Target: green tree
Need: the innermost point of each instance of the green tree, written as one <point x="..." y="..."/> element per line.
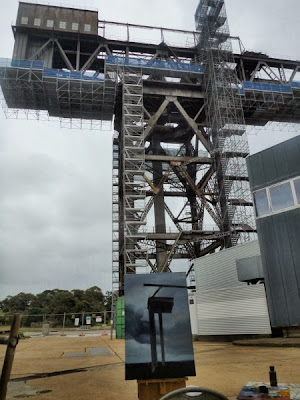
<point x="94" y="297"/>
<point x="57" y="301"/>
<point x="107" y="301"/>
<point x="19" y="303"/>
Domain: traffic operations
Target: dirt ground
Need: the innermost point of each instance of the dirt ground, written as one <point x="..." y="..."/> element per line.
<point x="44" y="370"/>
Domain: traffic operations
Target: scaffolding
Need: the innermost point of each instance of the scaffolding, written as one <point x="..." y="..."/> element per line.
<point x="78" y="99"/>
<point x="225" y="123"/>
<point x="115" y="213"/>
<point x="133" y="170"/>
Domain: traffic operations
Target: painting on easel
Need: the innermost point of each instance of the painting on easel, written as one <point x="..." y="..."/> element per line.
<point x="158" y="337"/>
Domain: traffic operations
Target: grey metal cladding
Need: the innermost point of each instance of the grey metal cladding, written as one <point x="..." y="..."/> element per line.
<point x="279" y="240"/>
<point x="20" y="46"/>
<point x="249" y="268"/>
<point x="292" y="148"/>
<point x="275" y="164"/>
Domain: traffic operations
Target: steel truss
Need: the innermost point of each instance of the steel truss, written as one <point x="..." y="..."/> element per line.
<point x="178" y="157"/>
<point x="179" y="114"/>
<point x="163" y="152"/>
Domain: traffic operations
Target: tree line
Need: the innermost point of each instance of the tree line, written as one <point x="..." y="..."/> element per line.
<point x="57" y="301"/>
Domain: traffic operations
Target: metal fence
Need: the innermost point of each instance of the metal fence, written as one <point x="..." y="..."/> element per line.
<point x="92" y="322"/>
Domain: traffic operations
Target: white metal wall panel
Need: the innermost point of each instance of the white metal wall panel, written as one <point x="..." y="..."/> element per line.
<point x="226" y="306"/>
<point x="233" y="311"/>
<point x="218" y="270"/>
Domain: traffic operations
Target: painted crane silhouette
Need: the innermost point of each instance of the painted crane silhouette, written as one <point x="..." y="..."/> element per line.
<point x="160" y="306"/>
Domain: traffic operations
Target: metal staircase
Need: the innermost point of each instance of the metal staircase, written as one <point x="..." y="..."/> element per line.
<point x="133" y="172"/>
<point x="225" y="120"/>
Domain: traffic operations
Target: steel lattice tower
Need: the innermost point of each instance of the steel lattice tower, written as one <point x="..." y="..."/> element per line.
<point x="180" y="111"/>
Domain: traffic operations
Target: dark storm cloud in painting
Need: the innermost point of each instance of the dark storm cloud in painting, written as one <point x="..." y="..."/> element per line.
<point x="55" y="203"/>
<point x="176" y="327"/>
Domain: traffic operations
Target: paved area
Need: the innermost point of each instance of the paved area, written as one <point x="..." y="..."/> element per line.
<point x="42" y="368"/>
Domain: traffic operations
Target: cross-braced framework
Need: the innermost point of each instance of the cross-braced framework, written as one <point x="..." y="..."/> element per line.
<point x="164" y="155"/>
<point x="202" y="163"/>
<point x="179" y="101"/>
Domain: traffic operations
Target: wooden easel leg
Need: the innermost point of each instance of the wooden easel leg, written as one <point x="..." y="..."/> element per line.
<point x="154" y="389"/>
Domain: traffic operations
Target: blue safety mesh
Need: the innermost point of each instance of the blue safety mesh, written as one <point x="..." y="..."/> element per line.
<point x="28" y="64"/>
<point x="267" y="87"/>
<point x="51" y="72"/>
<point x="155" y="64"/>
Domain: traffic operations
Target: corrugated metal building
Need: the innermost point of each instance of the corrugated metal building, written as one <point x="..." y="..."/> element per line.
<point x="226" y="306"/>
<point x="275" y="182"/>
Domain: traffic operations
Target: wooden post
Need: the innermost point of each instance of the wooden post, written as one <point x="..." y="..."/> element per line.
<point x="9" y="356"/>
<point x="154" y="389"/>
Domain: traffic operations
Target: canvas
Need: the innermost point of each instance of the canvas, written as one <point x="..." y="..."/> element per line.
<point x="157" y="327"/>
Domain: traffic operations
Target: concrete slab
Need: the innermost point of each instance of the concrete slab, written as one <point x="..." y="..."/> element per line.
<point x="100" y="351"/>
<point x="20" y="390"/>
<point x="76" y="355"/>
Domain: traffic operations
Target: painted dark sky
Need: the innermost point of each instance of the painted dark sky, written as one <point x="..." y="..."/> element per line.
<point x="178" y="340"/>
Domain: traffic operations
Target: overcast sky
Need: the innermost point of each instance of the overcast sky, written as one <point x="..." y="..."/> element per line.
<point x="55" y="204"/>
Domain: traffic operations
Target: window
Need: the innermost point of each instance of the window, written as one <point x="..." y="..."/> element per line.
<point x="24" y="20"/>
<point x="281" y="196"/>
<point x="261" y="203"/>
<point x="62" y="24"/>
<point x="277" y="198"/>
<point x="37" y="22"/>
<point x="74" y="26"/>
<point x="297" y="189"/>
<point x="87" y="28"/>
<point x="50" y="23"/>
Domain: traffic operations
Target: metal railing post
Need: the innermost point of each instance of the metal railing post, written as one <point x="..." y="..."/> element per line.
<point x="64" y="321"/>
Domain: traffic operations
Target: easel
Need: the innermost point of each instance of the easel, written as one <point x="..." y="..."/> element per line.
<point x="154" y="389"/>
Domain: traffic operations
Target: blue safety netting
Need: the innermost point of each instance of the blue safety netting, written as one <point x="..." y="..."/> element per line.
<point x="72" y="75"/>
<point x="28" y="64"/>
<point x="295" y="85"/>
<point x="51" y="72"/>
<point x="267" y="87"/>
<point x="155" y="64"/>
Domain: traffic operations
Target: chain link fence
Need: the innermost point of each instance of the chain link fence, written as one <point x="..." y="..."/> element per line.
<point x="65" y="323"/>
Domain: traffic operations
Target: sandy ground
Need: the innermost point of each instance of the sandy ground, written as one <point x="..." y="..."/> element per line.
<point x="43" y="370"/>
